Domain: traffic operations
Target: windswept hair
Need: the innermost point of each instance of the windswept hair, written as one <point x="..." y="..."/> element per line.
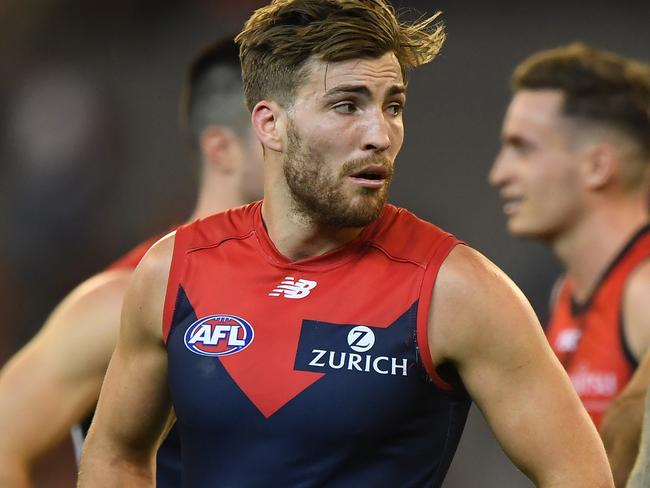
<point x="599" y="87"/>
<point x="278" y="39"/>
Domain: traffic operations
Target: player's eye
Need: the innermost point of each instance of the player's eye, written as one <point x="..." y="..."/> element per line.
<point x="395" y="108"/>
<point x="345" y="107"/>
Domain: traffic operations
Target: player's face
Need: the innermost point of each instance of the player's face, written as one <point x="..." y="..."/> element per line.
<point x="343" y="135"/>
<point x="537" y="170"/>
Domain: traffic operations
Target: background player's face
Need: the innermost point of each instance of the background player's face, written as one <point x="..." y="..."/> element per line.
<point x="537" y="170"/>
<point x="343" y="135"/>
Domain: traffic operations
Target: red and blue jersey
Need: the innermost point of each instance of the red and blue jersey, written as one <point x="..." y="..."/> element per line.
<point x="314" y="372"/>
<point x="588" y="337"/>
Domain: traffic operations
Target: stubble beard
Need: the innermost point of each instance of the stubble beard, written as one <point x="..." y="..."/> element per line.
<point x="319" y="196"/>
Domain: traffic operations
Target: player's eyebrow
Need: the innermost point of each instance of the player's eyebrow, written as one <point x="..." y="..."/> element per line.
<point x="361" y="90"/>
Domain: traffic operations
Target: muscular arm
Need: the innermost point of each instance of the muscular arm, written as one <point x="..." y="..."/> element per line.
<point x="134" y="407"/>
<point x="54" y="381"/>
<point x="481" y="322"/>
<point x="621" y="425"/>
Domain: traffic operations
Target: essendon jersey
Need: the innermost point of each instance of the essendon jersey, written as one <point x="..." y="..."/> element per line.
<point x="314" y="372"/>
<point x="168" y="468"/>
<point x="588" y="338"/>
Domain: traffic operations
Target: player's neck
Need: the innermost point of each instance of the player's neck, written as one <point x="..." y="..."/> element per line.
<point x="296" y="236"/>
<point x="214" y="198"/>
<point x="588" y="248"/>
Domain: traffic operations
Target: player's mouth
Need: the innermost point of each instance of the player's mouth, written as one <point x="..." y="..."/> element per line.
<point x="373" y="176"/>
<point x="511" y="205"/>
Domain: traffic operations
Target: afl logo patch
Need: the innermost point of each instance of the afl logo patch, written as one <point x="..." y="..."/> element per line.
<point x="219" y="335"/>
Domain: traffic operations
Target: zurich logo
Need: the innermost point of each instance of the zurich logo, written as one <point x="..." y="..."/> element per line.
<point x="219" y="335"/>
<point x="361" y="338"/>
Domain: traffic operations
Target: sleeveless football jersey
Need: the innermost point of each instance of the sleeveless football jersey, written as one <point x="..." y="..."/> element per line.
<point x="588" y="338"/>
<point x="314" y="372"/>
<point x="168" y="466"/>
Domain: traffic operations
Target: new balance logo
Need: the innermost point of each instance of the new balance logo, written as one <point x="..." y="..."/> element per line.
<point x="293" y="289"/>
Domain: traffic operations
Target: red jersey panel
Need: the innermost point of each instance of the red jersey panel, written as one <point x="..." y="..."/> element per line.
<point x="314" y="372"/>
<point x="588" y="338"/>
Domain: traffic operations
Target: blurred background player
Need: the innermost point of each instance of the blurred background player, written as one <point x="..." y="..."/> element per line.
<point x="574" y="173"/>
<point x="53" y="383"/>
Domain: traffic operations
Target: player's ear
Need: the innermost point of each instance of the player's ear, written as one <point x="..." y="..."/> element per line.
<point x="267" y="120"/>
<point x="217" y="146"/>
<point x="601" y="165"/>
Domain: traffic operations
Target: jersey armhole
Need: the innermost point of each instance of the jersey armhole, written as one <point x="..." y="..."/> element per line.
<point x="622" y="336"/>
<point x="559" y="287"/>
<point x="625" y="344"/>
<point x="439" y="254"/>
<point x="182" y="241"/>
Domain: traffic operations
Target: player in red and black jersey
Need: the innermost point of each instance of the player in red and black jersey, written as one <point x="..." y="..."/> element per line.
<point x="54" y="381"/>
<point x="322" y="337"/>
<point x="574" y="171"/>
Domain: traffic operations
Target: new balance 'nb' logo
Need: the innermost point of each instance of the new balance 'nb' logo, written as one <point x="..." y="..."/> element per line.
<point x="293" y="289"/>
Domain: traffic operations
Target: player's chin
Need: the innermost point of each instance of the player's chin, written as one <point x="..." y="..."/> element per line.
<point x="368" y="206"/>
<point x="368" y="197"/>
<point x="518" y="227"/>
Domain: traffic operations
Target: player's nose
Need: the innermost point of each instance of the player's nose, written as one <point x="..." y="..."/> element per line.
<point x="377" y="132"/>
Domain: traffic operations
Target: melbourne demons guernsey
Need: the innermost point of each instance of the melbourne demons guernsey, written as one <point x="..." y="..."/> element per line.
<point x="168" y="465"/>
<point x="314" y="372"/>
<point x="588" y="338"/>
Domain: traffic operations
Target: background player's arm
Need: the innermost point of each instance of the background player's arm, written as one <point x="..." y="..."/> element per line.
<point x="640" y="476"/>
<point x="54" y="381"/>
<point x="134" y="405"/>
<point x="621" y="425"/>
<point x="481" y="322"/>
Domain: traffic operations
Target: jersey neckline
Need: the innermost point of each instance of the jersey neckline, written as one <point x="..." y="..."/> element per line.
<point x="577" y="307"/>
<point x="331" y="259"/>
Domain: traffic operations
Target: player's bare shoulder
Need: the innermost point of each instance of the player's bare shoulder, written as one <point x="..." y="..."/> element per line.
<point x="636" y="310"/>
<point x="110" y="284"/>
<point x="92" y="307"/>
<point x="474" y="302"/>
<point x="145" y="297"/>
<point x="157" y="259"/>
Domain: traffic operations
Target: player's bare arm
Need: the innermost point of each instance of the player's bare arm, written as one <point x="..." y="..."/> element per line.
<point x="54" y="381"/>
<point x="480" y="322"/>
<point x="621" y="426"/>
<point x="134" y="405"/>
<point x="640" y="476"/>
<point x="622" y="423"/>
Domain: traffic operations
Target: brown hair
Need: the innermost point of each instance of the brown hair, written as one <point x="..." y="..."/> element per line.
<point x="598" y="86"/>
<point x="278" y="39"/>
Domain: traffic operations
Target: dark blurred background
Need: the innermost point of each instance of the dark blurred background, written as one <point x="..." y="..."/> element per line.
<point x="91" y="162"/>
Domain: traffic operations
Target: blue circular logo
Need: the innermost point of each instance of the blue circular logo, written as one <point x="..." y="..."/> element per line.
<point x="219" y="335"/>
